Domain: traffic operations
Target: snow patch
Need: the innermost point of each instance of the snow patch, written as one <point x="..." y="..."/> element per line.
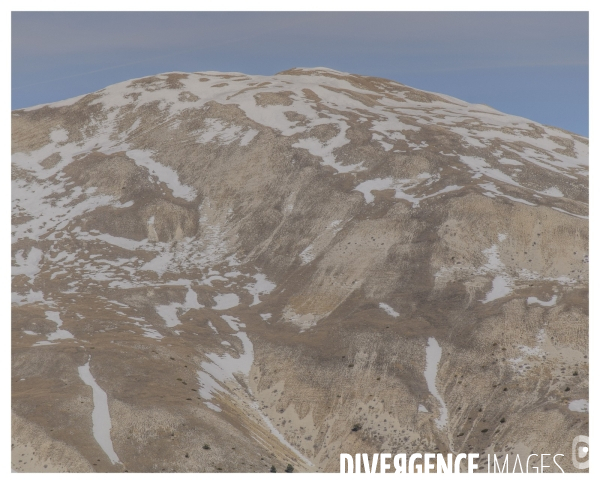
<point x="571" y="214"/>
<point x="101" y="424"/>
<point x="54" y="316"/>
<point x="30" y="298"/>
<point x="307" y="255"/>
<point x="217" y="131"/>
<point x="400" y="187"/>
<point x="389" y="310"/>
<point x="225" y="301"/>
<point x="223" y="368"/>
<point x="579" y="406"/>
<point x="552" y="192"/>
<point x="59" y="135"/>
<point x="28" y="265"/>
<point x="325" y="150"/>
<point x="508" y="161"/>
<point x="170" y="312"/>
<point x="261" y="286"/>
<point x="433" y="355"/>
<point x="501" y="286"/>
<point x="165" y="174"/>
<point x="535" y="300"/>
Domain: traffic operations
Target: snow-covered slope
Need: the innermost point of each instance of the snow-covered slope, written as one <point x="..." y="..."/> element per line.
<point x="261" y="262"/>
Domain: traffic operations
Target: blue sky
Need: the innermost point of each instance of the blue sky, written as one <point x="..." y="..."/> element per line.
<point x="533" y="64"/>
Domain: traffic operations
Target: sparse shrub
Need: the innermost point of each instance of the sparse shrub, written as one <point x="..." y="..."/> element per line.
<point x="356" y="427"/>
<point x="206" y="447"/>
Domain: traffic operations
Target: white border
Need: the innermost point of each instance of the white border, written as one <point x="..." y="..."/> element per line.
<point x="306" y="5"/>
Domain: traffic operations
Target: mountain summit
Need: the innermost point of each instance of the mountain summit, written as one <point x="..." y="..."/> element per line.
<point x="217" y="271"/>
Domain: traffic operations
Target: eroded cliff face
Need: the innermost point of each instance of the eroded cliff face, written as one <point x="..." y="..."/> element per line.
<point x="261" y="264"/>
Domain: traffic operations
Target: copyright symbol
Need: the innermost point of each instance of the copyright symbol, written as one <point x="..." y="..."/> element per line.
<point x="581" y="452"/>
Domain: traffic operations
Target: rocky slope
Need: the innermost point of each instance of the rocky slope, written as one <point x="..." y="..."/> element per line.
<point x="260" y="264"/>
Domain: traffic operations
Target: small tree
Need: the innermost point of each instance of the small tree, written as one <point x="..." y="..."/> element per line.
<point x="289" y="468"/>
<point x="273" y="469"/>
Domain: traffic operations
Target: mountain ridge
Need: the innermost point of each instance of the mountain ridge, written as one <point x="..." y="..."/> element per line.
<point x="288" y="246"/>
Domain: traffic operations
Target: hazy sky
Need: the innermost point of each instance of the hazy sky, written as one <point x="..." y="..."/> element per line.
<point x="534" y="64"/>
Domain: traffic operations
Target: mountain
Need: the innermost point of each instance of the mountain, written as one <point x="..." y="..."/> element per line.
<point x="224" y="272"/>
